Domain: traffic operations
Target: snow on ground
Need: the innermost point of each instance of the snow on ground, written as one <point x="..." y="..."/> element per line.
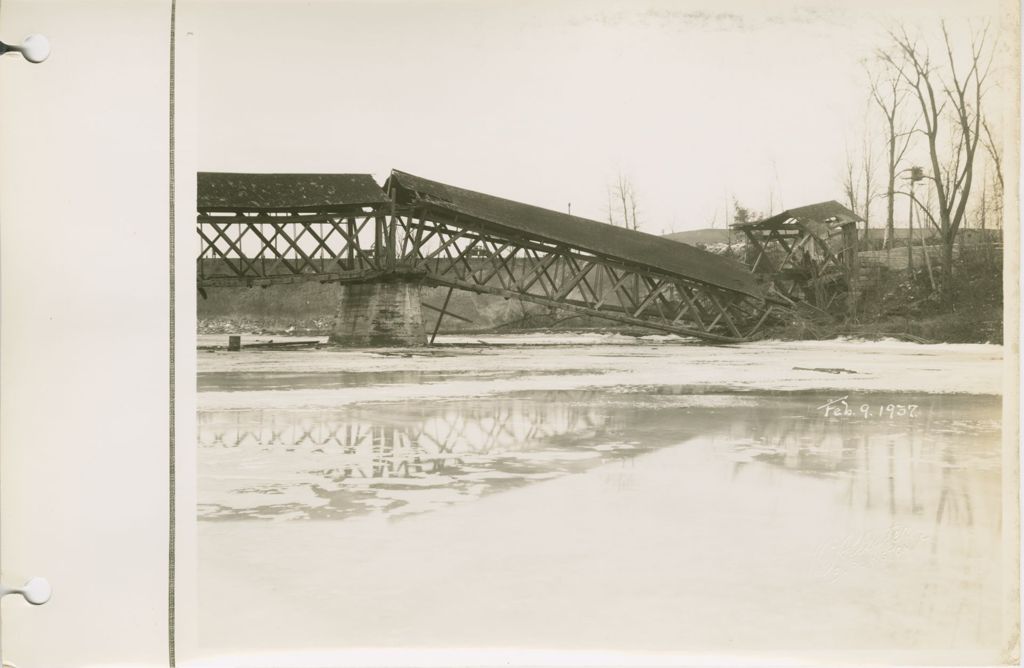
<point x="610" y="361"/>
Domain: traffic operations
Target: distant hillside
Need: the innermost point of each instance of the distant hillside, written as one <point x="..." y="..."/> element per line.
<point x="706" y="236"/>
<point x="709" y="236"/>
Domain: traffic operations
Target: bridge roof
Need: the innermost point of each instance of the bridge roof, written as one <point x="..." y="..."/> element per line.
<point x="638" y="248"/>
<point x="829" y="213"/>
<point x="226" y="191"/>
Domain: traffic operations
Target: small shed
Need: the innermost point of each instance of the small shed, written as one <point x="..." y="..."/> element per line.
<point x="808" y="253"/>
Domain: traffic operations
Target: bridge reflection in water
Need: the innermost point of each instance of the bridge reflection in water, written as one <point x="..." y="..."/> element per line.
<point x="940" y="467"/>
<point x="394" y="459"/>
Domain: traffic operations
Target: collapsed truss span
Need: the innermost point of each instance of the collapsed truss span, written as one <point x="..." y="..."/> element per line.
<point x="261" y="229"/>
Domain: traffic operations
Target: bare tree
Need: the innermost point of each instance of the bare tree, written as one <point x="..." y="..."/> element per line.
<point x="995" y="154"/>
<point x="851" y="188"/>
<point x="867" y="166"/>
<point x="889" y="94"/>
<point x="948" y="94"/>
<point x="859" y="181"/>
<point x="624" y="195"/>
<point x="773" y="186"/>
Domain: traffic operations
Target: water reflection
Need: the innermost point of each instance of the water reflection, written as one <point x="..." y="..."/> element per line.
<point x="401" y="458"/>
<point x="931" y="464"/>
<point x="718" y="519"/>
<point x="258" y="381"/>
<point x="396" y="458"/>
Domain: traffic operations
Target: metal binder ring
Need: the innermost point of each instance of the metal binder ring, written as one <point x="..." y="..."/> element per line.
<point x="36" y="591"/>
<point x="35" y="48"/>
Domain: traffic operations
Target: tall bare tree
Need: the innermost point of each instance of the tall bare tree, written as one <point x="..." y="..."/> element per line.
<point x="888" y="94"/>
<point x="867" y="166"/>
<point x="950" y="94"/>
<point x="859" y="186"/>
<point x="995" y="154"/>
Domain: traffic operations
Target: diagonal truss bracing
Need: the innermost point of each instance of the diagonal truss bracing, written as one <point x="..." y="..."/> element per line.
<point x="441" y="248"/>
<point x="460" y="254"/>
<point x="268" y="229"/>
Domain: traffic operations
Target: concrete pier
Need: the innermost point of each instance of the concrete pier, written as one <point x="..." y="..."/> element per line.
<point x="379" y="314"/>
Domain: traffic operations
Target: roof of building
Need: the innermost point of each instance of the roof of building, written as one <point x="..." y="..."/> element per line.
<point x="829" y="213"/>
<point x="225" y="191"/>
<point x="639" y="248"/>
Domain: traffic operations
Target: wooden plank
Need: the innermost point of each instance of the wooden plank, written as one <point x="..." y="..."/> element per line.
<point x="651" y="296"/>
<point x="728" y="321"/>
<point x="448" y="313"/>
<point x="241" y="256"/>
<point x="618" y="281"/>
<point x="444" y="309"/>
<point x="573" y="282"/>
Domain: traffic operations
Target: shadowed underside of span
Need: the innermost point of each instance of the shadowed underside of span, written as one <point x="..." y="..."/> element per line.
<point x="261" y="229"/>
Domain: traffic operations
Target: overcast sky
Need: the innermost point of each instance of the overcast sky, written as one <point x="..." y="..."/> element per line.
<point x="545" y="102"/>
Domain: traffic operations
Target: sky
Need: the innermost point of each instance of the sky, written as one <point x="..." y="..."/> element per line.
<point x="697" y="103"/>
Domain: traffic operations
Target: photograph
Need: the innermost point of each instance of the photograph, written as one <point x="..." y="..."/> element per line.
<point x="650" y="327"/>
<point x="432" y="333"/>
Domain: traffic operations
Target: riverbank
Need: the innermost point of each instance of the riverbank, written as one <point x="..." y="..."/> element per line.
<point x="894" y="305"/>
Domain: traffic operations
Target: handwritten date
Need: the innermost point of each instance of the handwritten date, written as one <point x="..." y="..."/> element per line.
<point x="842" y="408"/>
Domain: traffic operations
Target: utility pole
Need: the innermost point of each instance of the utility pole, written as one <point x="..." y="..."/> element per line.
<point x="910" y="228"/>
<point x="916" y="174"/>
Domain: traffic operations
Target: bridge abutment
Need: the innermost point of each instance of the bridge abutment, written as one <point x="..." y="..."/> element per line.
<point x="386" y="313"/>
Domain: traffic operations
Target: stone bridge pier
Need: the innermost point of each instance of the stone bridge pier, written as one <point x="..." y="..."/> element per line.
<point x="379" y="314"/>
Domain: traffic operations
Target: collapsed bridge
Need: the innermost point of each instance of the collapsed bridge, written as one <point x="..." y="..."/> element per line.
<point x="381" y="244"/>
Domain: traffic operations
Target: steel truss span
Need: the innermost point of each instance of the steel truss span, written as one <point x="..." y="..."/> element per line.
<point x="426" y="241"/>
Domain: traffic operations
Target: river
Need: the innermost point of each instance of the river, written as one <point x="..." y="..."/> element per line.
<point x="804" y="500"/>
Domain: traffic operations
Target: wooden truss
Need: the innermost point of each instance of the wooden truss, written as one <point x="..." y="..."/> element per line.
<point x="809" y="265"/>
<point x="441" y="248"/>
<point x="261" y="248"/>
